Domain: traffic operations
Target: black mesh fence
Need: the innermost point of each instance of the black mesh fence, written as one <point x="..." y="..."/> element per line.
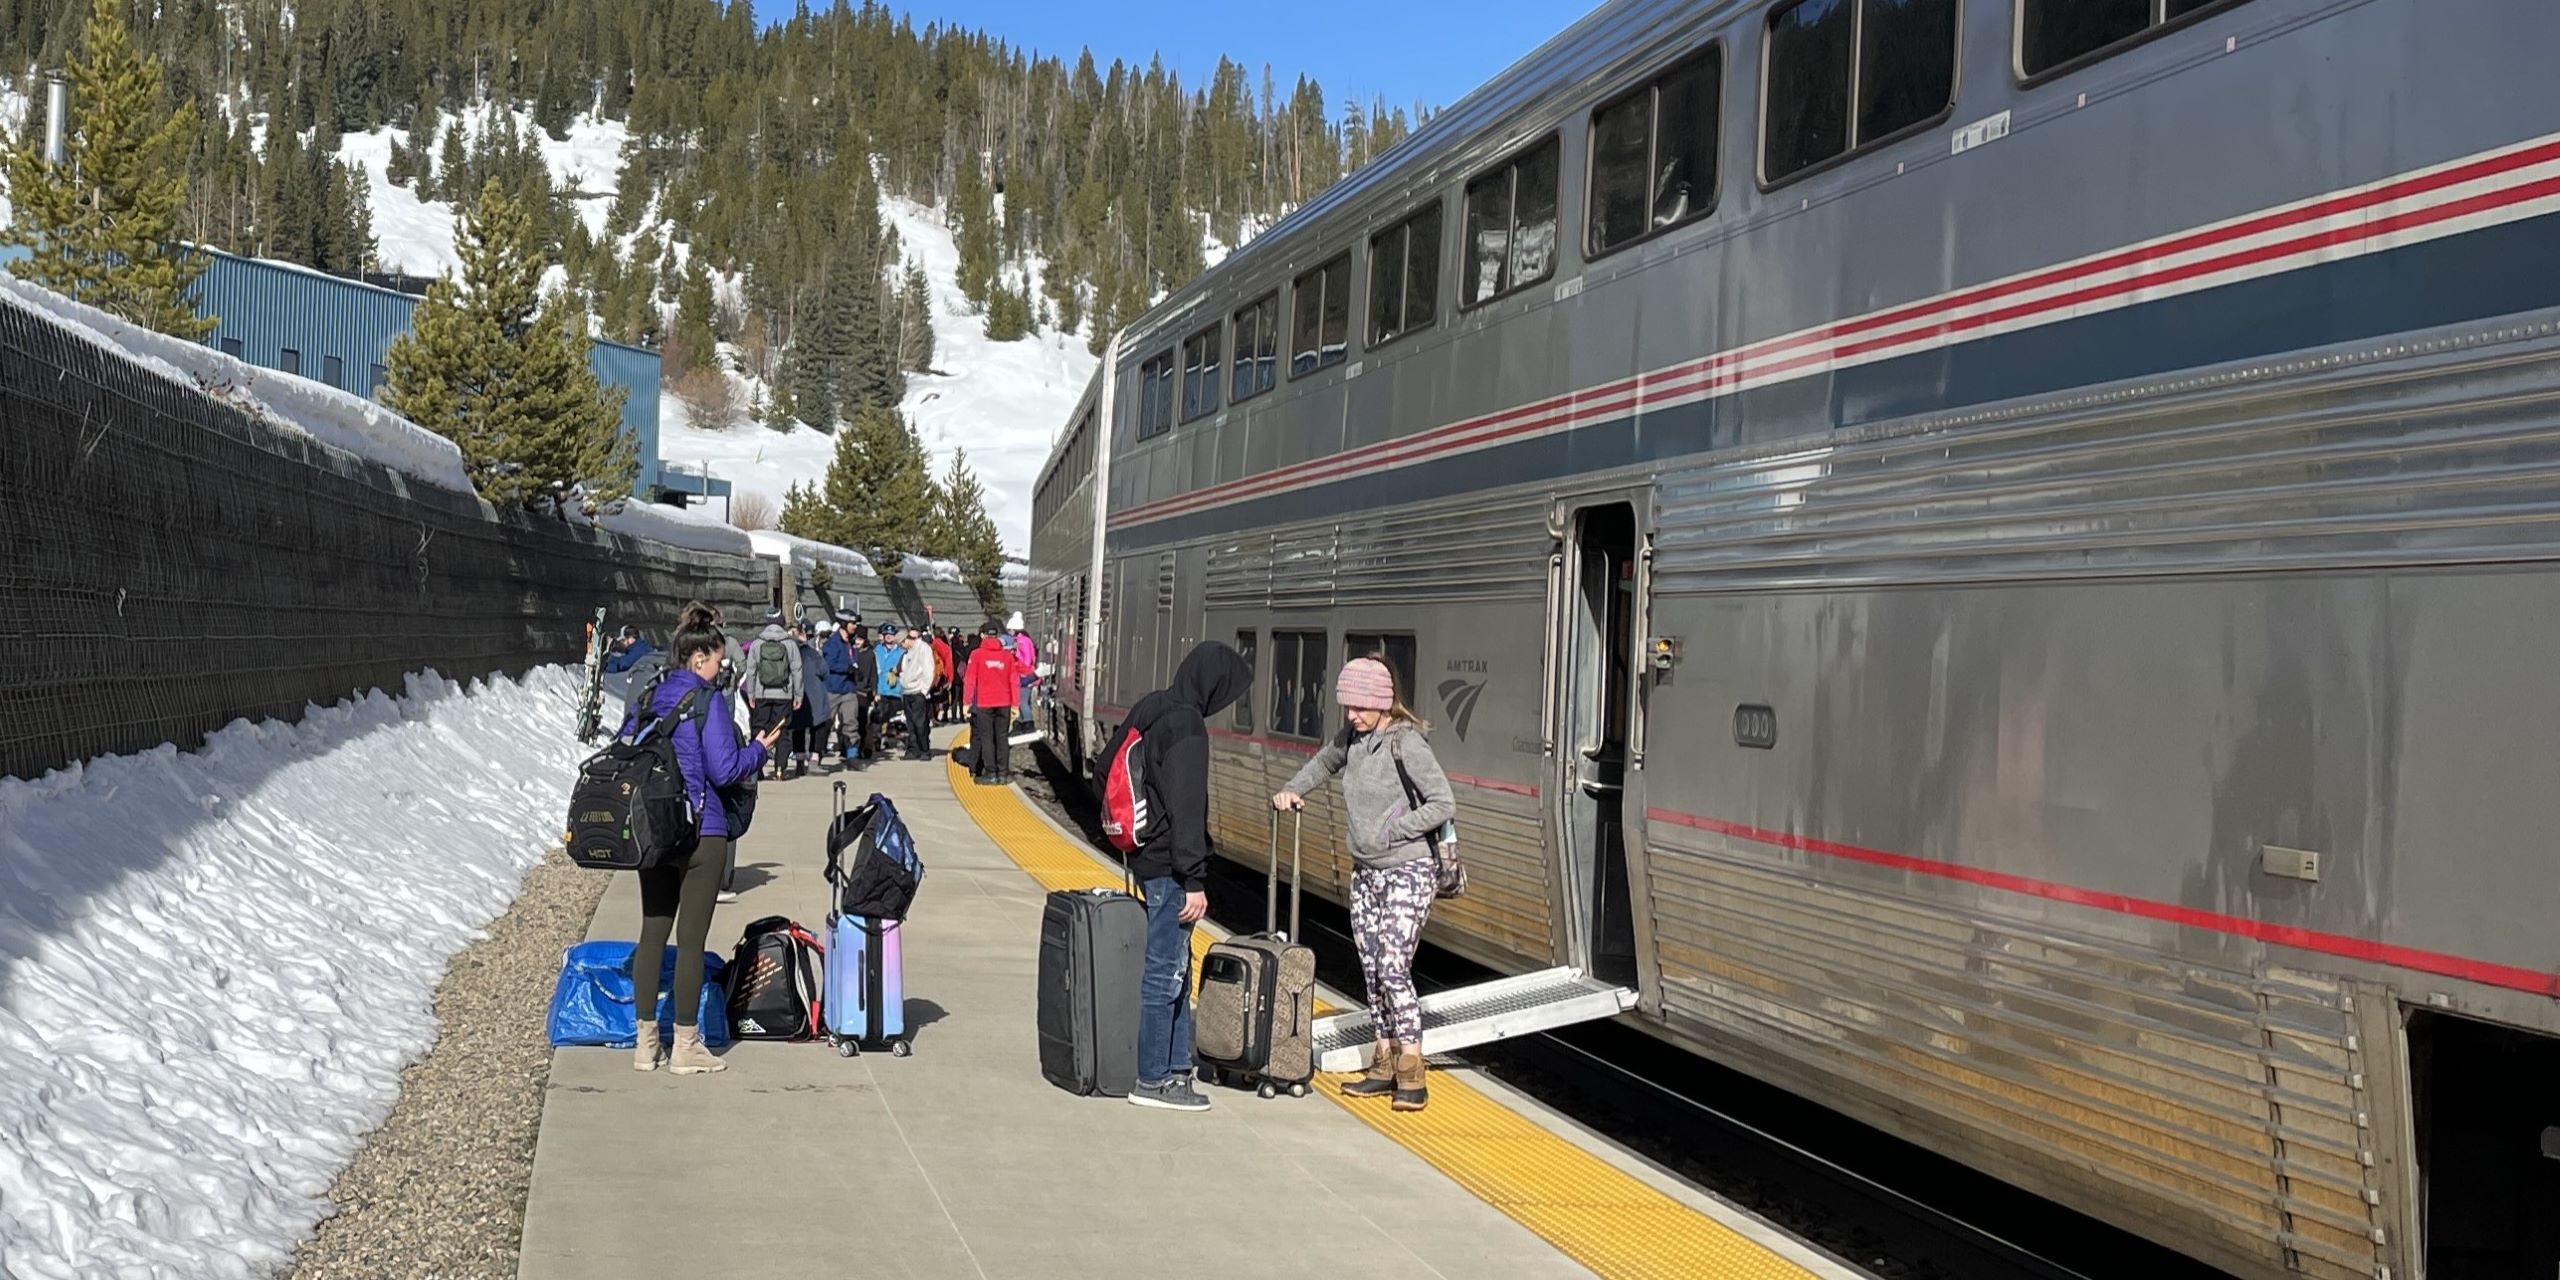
<point x="169" y="564"/>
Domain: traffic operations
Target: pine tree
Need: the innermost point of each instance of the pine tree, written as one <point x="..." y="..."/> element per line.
<point x="453" y="166"/>
<point x="915" y="322"/>
<point x="967" y="533"/>
<point x="506" y="378"/>
<point x="811" y="365"/>
<point x="973" y="212"/>
<point x="878" y="494"/>
<point x="104" y="229"/>
<point x="1008" y="311"/>
<point x="694" y="342"/>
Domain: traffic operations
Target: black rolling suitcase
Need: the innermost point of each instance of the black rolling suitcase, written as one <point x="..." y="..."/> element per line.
<point x="1093" y="949"/>
<point x="1255" y="1023"/>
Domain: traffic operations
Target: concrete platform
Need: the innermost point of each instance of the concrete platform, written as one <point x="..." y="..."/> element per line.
<point x="962" y="1161"/>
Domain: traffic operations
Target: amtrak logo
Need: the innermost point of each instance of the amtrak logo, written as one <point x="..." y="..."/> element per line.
<point x="1459" y="696"/>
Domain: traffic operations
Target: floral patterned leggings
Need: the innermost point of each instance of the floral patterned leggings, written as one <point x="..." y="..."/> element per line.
<point x="1388" y="907"/>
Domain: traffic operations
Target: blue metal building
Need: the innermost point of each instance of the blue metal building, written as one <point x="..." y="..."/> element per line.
<point x="340" y="331"/>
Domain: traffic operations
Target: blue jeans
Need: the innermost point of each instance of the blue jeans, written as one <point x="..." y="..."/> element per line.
<point x="1022" y="716"/>
<point x="1164" y="995"/>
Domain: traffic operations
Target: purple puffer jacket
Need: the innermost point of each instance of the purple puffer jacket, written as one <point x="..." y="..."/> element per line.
<point x="709" y="751"/>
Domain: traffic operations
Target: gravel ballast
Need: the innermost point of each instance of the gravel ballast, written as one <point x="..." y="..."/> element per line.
<point x="439" y="1189"/>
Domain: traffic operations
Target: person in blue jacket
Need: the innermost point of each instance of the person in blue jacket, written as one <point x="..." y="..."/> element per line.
<point x="634" y="648"/>
<point x="846" y="665"/>
<point x="677" y="898"/>
<point x="888" y="697"/>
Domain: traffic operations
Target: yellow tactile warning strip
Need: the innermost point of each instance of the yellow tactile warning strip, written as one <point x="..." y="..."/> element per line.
<point x="1597" y="1214"/>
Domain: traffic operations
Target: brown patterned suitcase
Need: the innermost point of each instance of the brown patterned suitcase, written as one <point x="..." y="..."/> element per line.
<point x="1255" y="1019"/>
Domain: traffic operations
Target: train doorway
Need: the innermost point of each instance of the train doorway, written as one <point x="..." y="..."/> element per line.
<point x="2488" y="1126"/>
<point x="1598" y="677"/>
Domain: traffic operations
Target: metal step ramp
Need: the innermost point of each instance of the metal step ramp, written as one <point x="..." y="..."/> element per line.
<point x="1463" y="1017"/>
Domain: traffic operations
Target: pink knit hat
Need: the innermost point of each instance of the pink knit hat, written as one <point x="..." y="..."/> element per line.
<point x="1365" y="684"/>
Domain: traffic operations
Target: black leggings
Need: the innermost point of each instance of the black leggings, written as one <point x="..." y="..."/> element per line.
<point x="677" y="898"/>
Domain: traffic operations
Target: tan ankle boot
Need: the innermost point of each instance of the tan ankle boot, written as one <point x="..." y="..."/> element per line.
<point x="1410" y="1093"/>
<point x="692" y="1057"/>
<point x="644" y="1055"/>
<point x="1381" y="1076"/>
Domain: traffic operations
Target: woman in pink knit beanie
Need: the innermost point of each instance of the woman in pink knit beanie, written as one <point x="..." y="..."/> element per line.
<point x="1397" y="799"/>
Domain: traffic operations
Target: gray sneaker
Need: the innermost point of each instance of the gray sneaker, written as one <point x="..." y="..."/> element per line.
<point x="1173" y="1095"/>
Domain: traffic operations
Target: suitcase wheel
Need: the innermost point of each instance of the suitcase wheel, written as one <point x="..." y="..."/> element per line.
<point x="1298" y="1090"/>
<point x="1268" y="1090"/>
<point x="900" y="1049"/>
<point x="847" y="1048"/>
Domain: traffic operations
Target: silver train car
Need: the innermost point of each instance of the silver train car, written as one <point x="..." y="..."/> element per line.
<point x="1986" y="557"/>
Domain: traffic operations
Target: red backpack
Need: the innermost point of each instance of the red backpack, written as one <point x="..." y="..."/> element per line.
<point x="1124" y="791"/>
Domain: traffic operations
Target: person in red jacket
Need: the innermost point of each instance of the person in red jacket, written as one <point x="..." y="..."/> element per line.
<point x="946" y="689"/>
<point x="992" y="680"/>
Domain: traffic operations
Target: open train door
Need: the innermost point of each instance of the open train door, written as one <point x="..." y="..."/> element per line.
<point x="1598" y="577"/>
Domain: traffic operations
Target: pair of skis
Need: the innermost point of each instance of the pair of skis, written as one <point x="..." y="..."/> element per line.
<point x="591" y="702"/>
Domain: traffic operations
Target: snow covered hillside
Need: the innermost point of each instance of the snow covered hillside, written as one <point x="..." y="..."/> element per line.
<point x="1002" y="401"/>
<point x="214" y="964"/>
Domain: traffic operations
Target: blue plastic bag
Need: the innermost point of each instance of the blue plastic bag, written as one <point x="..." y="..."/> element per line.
<point x="592" y="1003"/>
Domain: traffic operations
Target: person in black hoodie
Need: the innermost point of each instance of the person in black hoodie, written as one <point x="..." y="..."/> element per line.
<point x="1172" y="861"/>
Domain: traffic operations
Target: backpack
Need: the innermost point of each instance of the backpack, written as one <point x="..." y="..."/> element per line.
<point x="645" y="675"/>
<point x="775" y="982"/>
<point x="773" y="665"/>
<point x="1449" y="871"/>
<point x="871" y="860"/>
<point x="1124" y="790"/>
<point x="1025" y="651"/>
<point x="628" y="810"/>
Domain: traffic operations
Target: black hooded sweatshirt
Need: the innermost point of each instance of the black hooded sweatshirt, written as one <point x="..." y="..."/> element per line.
<point x="1175" y="721"/>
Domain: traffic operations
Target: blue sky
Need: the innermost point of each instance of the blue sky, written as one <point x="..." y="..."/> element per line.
<point x="1433" y="50"/>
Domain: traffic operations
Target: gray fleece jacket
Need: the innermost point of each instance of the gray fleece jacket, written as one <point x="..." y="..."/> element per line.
<point x="1387" y="830"/>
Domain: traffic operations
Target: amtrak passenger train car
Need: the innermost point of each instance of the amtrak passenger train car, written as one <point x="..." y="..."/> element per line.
<point x="1995" y="563"/>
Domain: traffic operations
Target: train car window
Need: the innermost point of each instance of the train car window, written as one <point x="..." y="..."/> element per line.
<point x="1155" y="396"/>
<point x="1200" y="371"/>
<point x="1320" y="333"/>
<point x="1511" y="225"/>
<point x="1846" y="74"/>
<point x="1906" y="64"/>
<point x="1251" y="651"/>
<point x="2053" y="34"/>
<point x="1404" y="277"/>
<point x="1653" y="154"/>
<point x="1257" y="348"/>
<point x="1394" y="649"/>
<point x="1297" y="683"/>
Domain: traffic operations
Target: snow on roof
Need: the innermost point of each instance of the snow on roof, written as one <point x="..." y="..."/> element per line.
<point x="338" y="419"/>
<point x="677" y="526"/>
<point x="792" y="550"/>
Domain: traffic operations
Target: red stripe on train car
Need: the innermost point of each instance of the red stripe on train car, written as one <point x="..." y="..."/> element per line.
<point x="2451" y="966"/>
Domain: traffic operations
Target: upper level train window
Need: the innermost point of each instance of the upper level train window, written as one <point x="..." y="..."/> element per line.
<point x="1200" y="374"/>
<point x="1653" y="154"/>
<point x="1257" y="348"/>
<point x="1511" y="225"/>
<point x="1845" y="74"/>
<point x="2053" y="34"/>
<point x="1404" y="277"/>
<point x="1320" y="318"/>
<point x="1155" y="396"/>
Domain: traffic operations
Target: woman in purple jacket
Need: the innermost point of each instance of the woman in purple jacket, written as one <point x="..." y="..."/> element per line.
<point x="677" y="897"/>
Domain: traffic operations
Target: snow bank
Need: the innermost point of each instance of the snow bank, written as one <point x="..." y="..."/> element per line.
<point x="336" y="418"/>
<point x="213" y="965"/>
<point x="677" y="526"/>
<point x="415" y="236"/>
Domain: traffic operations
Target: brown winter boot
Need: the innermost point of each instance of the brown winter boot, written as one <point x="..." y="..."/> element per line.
<point x="692" y="1057"/>
<point x="1381" y="1076"/>
<point x="1410" y="1093"/>
<point x="644" y="1055"/>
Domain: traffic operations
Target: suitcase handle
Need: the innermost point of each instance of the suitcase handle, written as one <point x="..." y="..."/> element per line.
<point x="1271" y="882"/>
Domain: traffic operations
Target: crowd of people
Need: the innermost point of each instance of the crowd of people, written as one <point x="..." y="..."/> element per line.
<point x="837" y="690"/>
